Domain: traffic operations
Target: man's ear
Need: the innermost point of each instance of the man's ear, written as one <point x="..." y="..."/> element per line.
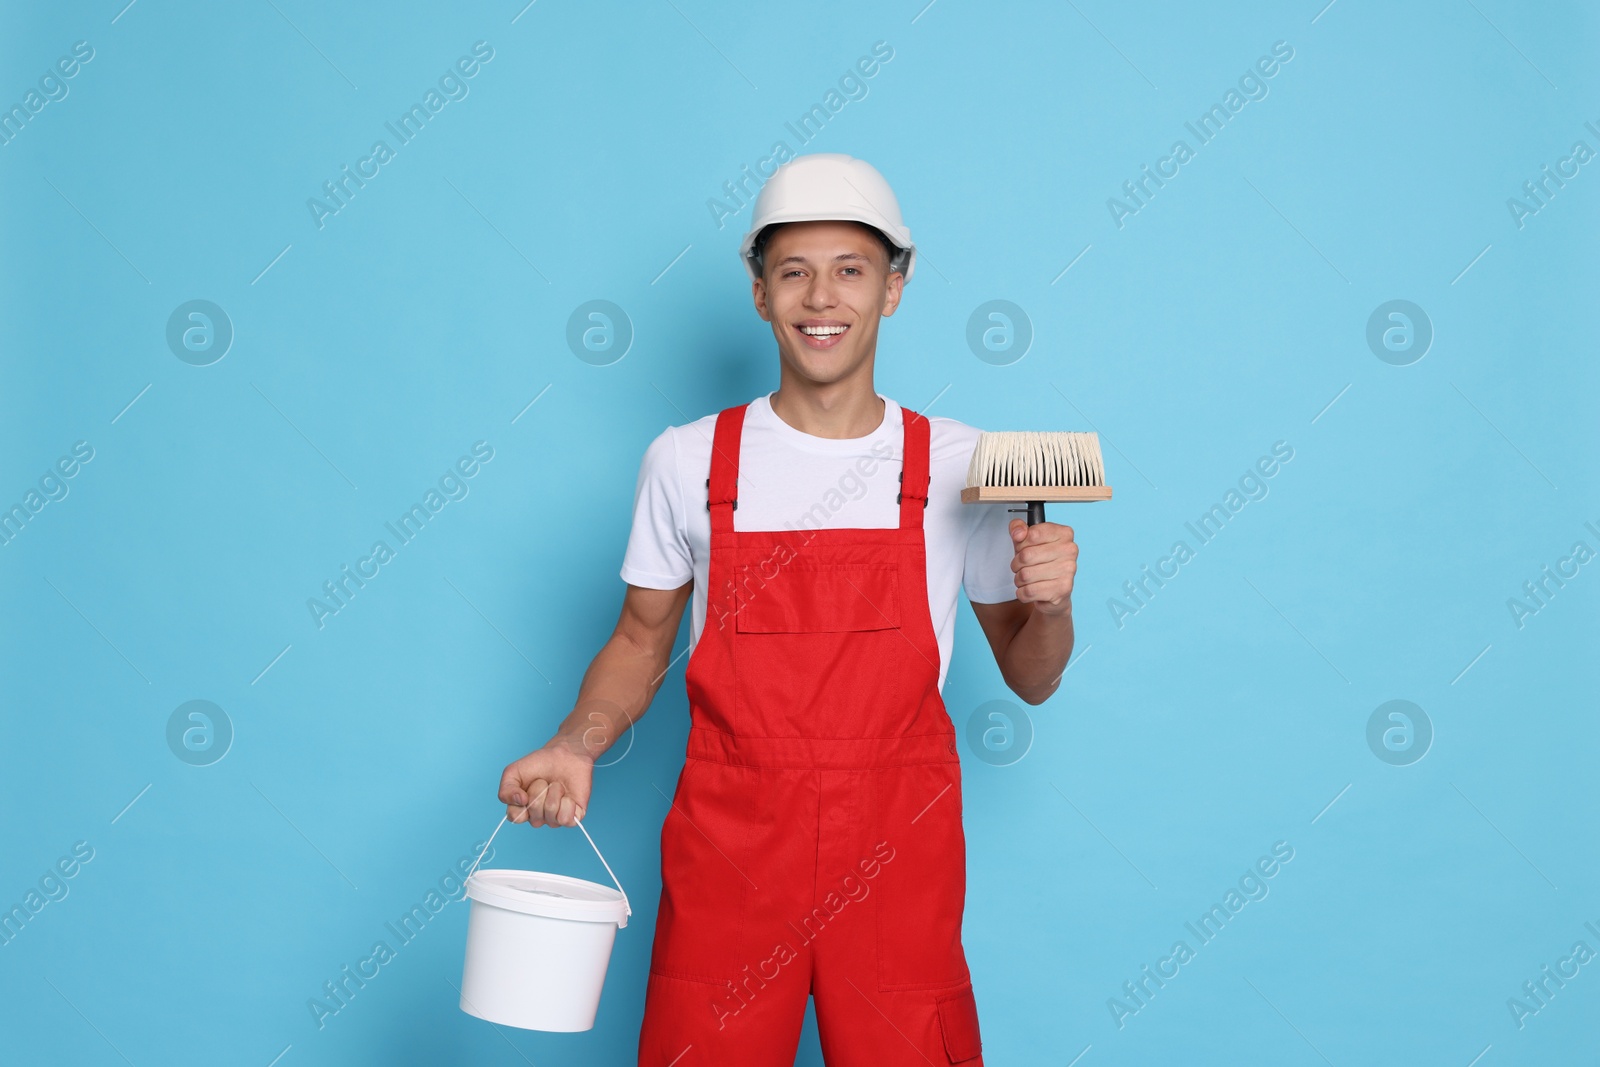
<point x="892" y="292"/>
<point x="758" y="293"/>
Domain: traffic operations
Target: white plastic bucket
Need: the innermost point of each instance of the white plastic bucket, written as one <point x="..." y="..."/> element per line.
<point x="538" y="945"/>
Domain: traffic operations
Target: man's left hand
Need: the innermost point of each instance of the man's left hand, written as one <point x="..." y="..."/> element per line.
<point x="1045" y="561"/>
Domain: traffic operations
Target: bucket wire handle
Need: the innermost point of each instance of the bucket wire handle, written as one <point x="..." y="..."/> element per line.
<point x="485" y="847"/>
<point x="627" y="907"/>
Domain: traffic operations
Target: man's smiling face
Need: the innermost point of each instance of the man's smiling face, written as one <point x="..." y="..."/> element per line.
<point x="824" y="286"/>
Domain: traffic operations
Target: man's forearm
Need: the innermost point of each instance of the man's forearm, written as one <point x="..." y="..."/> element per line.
<point x="615" y="691"/>
<point x="1038" y="653"/>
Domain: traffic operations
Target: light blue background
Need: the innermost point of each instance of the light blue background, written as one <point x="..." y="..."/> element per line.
<point x="1228" y="314"/>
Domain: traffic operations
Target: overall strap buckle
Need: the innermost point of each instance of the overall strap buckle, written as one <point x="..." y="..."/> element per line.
<point x="730" y="500"/>
<point x="722" y="487"/>
<point x="901" y="495"/>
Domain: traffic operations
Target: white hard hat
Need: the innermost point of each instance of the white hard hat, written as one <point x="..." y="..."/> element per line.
<point x="826" y="186"/>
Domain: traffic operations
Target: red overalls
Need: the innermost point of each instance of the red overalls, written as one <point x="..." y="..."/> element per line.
<point x="814" y="844"/>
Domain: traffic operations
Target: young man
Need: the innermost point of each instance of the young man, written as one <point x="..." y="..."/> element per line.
<point x="814" y="844"/>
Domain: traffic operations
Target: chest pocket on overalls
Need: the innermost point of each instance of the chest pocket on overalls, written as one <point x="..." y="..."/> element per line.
<point x="819" y="650"/>
<point x="817" y="597"/>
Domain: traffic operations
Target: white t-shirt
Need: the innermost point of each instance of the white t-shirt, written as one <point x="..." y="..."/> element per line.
<point x="789" y="480"/>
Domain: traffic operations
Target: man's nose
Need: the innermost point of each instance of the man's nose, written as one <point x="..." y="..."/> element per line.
<point x="820" y="293"/>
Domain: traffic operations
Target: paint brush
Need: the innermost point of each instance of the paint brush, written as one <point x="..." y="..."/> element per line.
<point x="1032" y="467"/>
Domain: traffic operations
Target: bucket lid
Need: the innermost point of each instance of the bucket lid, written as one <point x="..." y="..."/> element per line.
<point x="554" y="896"/>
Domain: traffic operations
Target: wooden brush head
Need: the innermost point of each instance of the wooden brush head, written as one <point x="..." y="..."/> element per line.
<point x="1029" y="465"/>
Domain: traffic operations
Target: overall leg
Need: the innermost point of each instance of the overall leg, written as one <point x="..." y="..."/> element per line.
<point x="892" y="986"/>
<point x="728" y="981"/>
<point x="755" y="1022"/>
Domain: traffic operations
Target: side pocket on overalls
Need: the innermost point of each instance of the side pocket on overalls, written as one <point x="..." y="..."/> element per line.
<point x="958" y="1022"/>
<point x="922" y="886"/>
<point x="700" y="929"/>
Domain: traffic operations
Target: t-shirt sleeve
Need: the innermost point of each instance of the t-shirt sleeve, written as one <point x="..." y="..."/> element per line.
<point x="657" y="556"/>
<point x="987" y="575"/>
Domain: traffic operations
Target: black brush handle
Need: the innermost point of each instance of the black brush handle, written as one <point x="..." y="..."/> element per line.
<point x="1035" y="511"/>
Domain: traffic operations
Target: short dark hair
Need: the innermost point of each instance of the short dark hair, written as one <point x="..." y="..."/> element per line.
<point x="759" y="249"/>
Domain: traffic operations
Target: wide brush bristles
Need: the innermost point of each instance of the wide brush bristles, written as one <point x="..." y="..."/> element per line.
<point x="1034" y="458"/>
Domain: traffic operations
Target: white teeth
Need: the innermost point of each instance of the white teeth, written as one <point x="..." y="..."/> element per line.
<point x="822" y="331"/>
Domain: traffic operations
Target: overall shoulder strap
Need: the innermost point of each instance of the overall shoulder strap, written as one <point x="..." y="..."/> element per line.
<point x="722" y="487"/>
<point x="913" y="496"/>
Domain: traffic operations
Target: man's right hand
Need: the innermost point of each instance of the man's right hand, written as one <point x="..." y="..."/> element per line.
<point x="549" y="786"/>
